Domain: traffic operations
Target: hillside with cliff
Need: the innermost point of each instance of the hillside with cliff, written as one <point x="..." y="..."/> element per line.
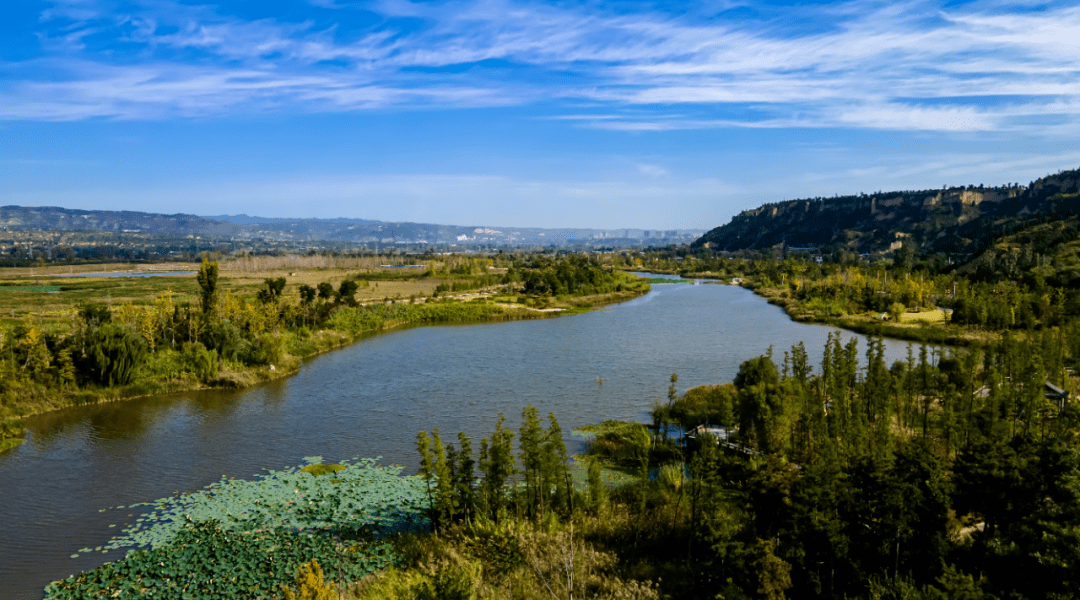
<point x="960" y="222"/>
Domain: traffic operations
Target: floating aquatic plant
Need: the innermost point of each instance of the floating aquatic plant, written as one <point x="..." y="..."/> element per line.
<point x="245" y="539"/>
<point x="360" y="495"/>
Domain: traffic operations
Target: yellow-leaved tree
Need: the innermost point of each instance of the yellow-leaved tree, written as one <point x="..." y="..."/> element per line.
<point x="37" y="354"/>
<point x="165" y="310"/>
<point x="310" y="584"/>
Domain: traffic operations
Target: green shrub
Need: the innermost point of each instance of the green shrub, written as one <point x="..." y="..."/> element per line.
<point x="269" y="349"/>
<point x="163" y="365"/>
<point x="827" y="308"/>
<point x="449" y="583"/>
<point x="114" y="352"/>
<point x="896" y="311"/>
<point x="224" y="338"/>
<point x="619" y="441"/>
<point x="200" y="361"/>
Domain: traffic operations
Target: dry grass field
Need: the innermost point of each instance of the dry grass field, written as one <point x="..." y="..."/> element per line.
<point x="935" y="315"/>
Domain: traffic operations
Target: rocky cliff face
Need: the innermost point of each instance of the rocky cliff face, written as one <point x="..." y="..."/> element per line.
<point x="954" y="220"/>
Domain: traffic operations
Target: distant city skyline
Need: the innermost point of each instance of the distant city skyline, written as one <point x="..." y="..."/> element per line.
<point x="606" y="115"/>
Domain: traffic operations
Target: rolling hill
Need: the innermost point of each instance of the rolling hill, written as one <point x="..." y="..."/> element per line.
<point x="314" y="231"/>
<point x="961" y="222"/>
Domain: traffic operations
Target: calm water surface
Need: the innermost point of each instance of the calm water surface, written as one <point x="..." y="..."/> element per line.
<point x="368" y="400"/>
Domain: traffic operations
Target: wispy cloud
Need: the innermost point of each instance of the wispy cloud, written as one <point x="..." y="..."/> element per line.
<point x="653" y="171"/>
<point x="949" y="168"/>
<point x="916" y="65"/>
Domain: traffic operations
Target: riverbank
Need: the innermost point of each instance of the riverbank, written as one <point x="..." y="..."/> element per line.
<point x="922" y="330"/>
<point x="349" y="325"/>
<point x="918" y="329"/>
<point x="702" y="275"/>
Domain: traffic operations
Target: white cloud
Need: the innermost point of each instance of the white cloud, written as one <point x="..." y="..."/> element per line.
<point x="653" y="171"/>
<point x="911" y="66"/>
<point x="947" y="169"/>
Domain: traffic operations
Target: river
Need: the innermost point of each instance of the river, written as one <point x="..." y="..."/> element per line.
<point x="368" y="400"/>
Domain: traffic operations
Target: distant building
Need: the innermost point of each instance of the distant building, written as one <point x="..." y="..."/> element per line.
<point x="1056" y="394"/>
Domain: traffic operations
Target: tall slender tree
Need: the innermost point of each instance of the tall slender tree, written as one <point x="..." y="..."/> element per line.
<point x="208" y="285"/>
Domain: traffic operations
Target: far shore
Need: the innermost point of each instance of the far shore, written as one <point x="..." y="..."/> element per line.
<point x="325" y="340"/>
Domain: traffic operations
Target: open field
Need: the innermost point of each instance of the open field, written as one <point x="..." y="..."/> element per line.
<point x="935" y="315"/>
<point x="50" y="298"/>
<point x="928" y="326"/>
<point x="52" y="306"/>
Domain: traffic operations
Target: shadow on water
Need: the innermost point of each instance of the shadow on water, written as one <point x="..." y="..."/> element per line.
<point x="130" y="419"/>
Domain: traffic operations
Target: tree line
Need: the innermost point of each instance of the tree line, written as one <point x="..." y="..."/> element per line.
<point x="943" y="475"/>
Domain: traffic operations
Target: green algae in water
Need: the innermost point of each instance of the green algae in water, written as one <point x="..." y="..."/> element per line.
<point x="321" y="469"/>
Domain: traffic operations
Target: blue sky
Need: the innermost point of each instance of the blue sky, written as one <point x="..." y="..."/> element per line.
<point x="495" y="112"/>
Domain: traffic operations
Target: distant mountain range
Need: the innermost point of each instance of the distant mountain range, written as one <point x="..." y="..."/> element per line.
<point x="313" y="231"/>
<point x="246" y="220"/>
<point x="961" y="221"/>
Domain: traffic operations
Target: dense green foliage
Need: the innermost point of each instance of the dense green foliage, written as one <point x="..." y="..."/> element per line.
<point x="857" y="482"/>
<point x="935" y="477"/>
<point x="371" y="318"/>
<point x="113" y="353"/>
<point x="208" y="286"/>
<point x="454" y="495"/>
<point x="706" y="404"/>
<point x="573" y="275"/>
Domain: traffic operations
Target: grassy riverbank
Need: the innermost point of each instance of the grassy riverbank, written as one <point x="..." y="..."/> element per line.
<point x="929" y="327"/>
<point x="164" y="371"/>
<point x="900" y="295"/>
<point x="51" y="360"/>
<point x="684" y="274"/>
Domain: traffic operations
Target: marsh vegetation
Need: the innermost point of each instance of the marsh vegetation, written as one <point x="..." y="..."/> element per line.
<point x="105" y="339"/>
